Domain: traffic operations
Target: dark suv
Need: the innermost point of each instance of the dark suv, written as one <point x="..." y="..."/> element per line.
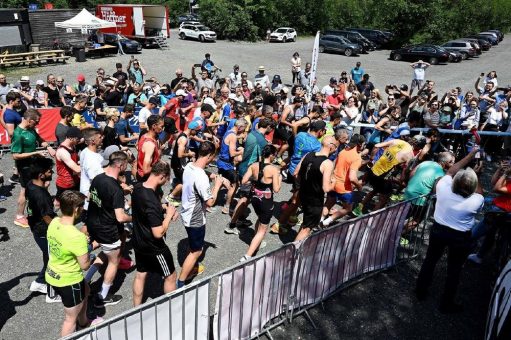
<point x="335" y="43"/>
<point x="376" y="36"/>
<point x="355" y="38"/>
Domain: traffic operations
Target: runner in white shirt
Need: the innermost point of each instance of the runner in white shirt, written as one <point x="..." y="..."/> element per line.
<point x="90" y="160"/>
<point x="419" y="71"/>
<point x="196" y="198"/>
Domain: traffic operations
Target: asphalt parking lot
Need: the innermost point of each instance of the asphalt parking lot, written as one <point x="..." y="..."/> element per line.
<point x="24" y="315"/>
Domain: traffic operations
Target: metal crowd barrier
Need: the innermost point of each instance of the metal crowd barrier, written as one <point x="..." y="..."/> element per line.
<point x="498" y="324"/>
<point x="253" y="297"/>
<point x="448" y="131"/>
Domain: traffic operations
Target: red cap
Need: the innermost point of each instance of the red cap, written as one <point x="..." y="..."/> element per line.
<point x="80" y="77"/>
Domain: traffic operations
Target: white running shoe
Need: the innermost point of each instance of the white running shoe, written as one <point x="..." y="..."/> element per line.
<point x="54" y="299"/>
<point x="38" y="287"/>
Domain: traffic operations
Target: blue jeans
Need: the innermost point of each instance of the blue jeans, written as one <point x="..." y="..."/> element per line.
<point x="481" y="228"/>
<point x="42" y="243"/>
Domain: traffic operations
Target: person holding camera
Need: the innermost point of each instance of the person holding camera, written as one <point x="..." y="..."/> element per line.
<point x="419" y="71"/>
<point x="204" y="81"/>
<point x="136" y="70"/>
<point x="137" y="98"/>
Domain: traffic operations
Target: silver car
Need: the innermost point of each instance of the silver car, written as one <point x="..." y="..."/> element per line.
<point x="464" y="47"/>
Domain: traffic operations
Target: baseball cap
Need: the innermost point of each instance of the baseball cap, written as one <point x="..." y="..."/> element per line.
<point x="195" y="124"/>
<point x="25" y="78"/>
<point x="333" y="80"/>
<point x="317" y="125"/>
<point x="73" y="132"/>
<point x="180" y="93"/>
<point x="276" y="77"/>
<point x="154" y="101"/>
<point x="39" y="82"/>
<point x="210" y="101"/>
<point x="233" y="96"/>
<point x="106" y="154"/>
<point x="80" y="77"/>
<point x="261" y="68"/>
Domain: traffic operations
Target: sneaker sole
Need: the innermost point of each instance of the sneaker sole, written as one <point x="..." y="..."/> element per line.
<point x="19" y="224"/>
<point x="231" y="232"/>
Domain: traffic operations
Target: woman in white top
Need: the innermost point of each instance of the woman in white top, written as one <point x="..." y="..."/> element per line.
<point x="351" y="113"/>
<point x="296" y="67"/>
<point x="495" y="119"/>
<point x="458" y="200"/>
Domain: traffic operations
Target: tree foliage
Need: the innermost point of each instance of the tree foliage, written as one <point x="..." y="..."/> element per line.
<point x="416" y="21"/>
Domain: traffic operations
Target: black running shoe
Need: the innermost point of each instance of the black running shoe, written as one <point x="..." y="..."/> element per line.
<point x="110" y="300"/>
<point x="15" y="179"/>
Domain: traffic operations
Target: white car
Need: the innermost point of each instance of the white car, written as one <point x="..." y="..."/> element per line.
<point x="283" y="34"/>
<point x="199" y="32"/>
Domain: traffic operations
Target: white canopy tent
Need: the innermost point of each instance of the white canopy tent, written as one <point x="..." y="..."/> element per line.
<point x="85" y="21"/>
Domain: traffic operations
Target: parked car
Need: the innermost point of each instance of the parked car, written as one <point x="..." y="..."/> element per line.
<point x="455" y="57"/>
<point x="200" y="32"/>
<point x="481" y="37"/>
<point x="187" y="17"/>
<point x="376" y="36"/>
<point x="355" y="38"/>
<point x="489" y="36"/>
<point x="431" y="53"/>
<point x="283" y="34"/>
<point x="335" y="43"/>
<point x="483" y="43"/>
<point x="128" y="45"/>
<point x="499" y="34"/>
<point x="464" y="47"/>
<point x="475" y="44"/>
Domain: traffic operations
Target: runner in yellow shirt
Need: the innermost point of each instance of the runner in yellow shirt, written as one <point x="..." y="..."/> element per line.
<point x="68" y="257"/>
<point x="396" y="151"/>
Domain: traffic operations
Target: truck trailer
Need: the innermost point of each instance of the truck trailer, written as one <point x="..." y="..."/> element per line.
<point x="147" y="24"/>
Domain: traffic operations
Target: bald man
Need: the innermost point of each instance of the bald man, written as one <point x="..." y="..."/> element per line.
<point x="315" y="175"/>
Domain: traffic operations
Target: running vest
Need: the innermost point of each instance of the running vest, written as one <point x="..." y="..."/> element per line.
<point x="175" y="161"/>
<point x="311" y="180"/>
<point x="141" y="154"/>
<point x="389" y="158"/>
<point x="224" y="157"/>
<point x="65" y="177"/>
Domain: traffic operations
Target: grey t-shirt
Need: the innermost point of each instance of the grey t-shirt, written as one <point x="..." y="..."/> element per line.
<point x="3" y="92"/>
<point x="204" y="83"/>
<point x="60" y="132"/>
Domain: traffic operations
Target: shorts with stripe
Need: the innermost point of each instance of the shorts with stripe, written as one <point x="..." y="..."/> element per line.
<point x="71" y="295"/>
<point x="162" y="263"/>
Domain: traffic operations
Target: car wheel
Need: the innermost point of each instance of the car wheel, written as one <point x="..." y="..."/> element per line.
<point x="294" y="39"/>
<point x="433" y="61"/>
<point x="397" y="57"/>
<point x="464" y="55"/>
<point x="201" y="38"/>
<point x="348" y="52"/>
<point x="182" y="36"/>
<point x="321" y="49"/>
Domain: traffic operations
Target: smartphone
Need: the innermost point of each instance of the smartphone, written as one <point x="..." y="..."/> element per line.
<point x="197" y="65"/>
<point x="482" y="74"/>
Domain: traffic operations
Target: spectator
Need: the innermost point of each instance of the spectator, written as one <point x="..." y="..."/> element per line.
<point x="123" y="128"/>
<point x="52" y="97"/>
<point x="66" y="117"/>
<point x="419" y="70"/>
<point x="136" y="70"/>
<point x="261" y="78"/>
<point x="296" y="67"/>
<point x="357" y="72"/>
<point x="4" y="89"/>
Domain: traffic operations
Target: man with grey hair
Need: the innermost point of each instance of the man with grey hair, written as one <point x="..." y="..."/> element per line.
<point x="422" y="181"/>
<point x="230" y="154"/>
<point x="4" y="89"/>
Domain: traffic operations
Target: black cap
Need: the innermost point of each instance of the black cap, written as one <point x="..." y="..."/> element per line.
<point x="74" y="132"/>
<point x="403" y="87"/>
<point x="333" y="80"/>
<point x="154" y="101"/>
<point x="317" y="125"/>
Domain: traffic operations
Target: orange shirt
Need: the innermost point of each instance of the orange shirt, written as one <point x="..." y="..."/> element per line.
<point x="347" y="159"/>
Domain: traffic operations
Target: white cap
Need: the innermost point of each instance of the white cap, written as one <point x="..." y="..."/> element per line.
<point x="233" y="96"/>
<point x="25" y="78"/>
<point x="210" y="101"/>
<point x="180" y="93"/>
<point x="39" y="82"/>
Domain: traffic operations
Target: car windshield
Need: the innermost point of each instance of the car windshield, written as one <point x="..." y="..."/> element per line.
<point x="122" y="36"/>
<point x="281" y="30"/>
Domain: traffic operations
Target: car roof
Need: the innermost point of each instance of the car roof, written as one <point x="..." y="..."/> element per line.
<point x="287" y="28"/>
<point x="457" y="40"/>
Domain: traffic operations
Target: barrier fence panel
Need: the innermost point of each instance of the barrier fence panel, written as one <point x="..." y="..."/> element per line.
<point x="330" y="258"/>
<point x="183" y="315"/>
<point x="498" y="324"/>
<point x="253" y="293"/>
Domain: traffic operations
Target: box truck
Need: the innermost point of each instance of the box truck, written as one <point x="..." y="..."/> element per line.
<point x="147" y="24"/>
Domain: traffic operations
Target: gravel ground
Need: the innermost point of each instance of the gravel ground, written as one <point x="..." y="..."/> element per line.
<point x="378" y="307"/>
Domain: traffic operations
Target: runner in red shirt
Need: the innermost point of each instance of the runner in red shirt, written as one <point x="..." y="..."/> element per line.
<point x="148" y="148"/>
<point x="68" y="170"/>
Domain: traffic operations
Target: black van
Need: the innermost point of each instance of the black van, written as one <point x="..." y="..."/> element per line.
<point x="355" y="38"/>
<point x="376" y="36"/>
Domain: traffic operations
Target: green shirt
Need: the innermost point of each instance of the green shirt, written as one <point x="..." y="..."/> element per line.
<point x="24" y="140"/>
<point x="253" y="148"/>
<point x="65" y="244"/>
<point x="423" y="180"/>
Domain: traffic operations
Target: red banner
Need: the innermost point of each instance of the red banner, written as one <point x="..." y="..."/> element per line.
<point x="46" y="128"/>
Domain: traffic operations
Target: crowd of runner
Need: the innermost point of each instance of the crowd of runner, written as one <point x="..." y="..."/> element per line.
<point x="241" y="137"/>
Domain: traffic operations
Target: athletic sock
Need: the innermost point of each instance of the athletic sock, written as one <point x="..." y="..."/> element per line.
<point x="90" y="273"/>
<point x="327" y="221"/>
<point x="104" y="290"/>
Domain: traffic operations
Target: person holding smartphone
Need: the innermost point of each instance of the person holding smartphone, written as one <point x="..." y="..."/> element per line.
<point x="419" y="71"/>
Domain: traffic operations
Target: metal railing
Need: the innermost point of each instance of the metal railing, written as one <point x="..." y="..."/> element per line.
<point x="253" y="297"/>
